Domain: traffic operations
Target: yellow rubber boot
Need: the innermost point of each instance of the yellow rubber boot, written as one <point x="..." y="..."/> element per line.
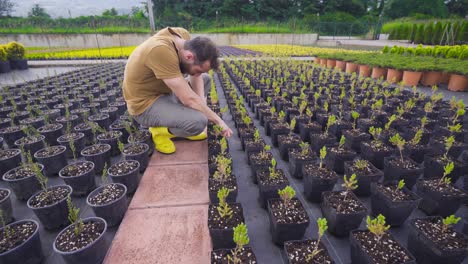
<point x="162" y="140"/>
<point x="200" y="136"/>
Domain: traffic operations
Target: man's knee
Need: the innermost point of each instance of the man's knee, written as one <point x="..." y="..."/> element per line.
<point x="198" y="124"/>
<point x="206" y="83"/>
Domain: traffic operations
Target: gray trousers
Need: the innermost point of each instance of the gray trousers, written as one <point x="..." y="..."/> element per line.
<point x="168" y="111"/>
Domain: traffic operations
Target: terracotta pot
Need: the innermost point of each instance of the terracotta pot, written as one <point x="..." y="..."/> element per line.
<point x="331" y="63"/>
<point x="317" y="60"/>
<point x="445" y="77"/>
<point x="394" y="76"/>
<point x="340" y="65"/>
<point x="458" y="83"/>
<point x="431" y="78"/>
<point x="323" y="62"/>
<point x="411" y="78"/>
<point x="364" y="70"/>
<point x="378" y="72"/>
<point x="351" y="67"/>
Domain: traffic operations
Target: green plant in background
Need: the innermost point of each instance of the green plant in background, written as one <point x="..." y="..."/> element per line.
<point x="8" y="232"/>
<point x="355" y="116"/>
<point x="398" y="142"/>
<point x="104" y="176"/>
<point x="449" y="141"/>
<point x="350" y="185"/>
<point x="377" y="227"/>
<point x="322" y="228"/>
<point x="273" y="172"/>
<point x="401" y="184"/>
<point x="286" y="195"/>
<point x="74" y="217"/>
<point x="15" y="51"/>
<point x="448" y="221"/>
<point x="264" y="153"/>
<point x="322" y="156"/>
<point x="223" y="208"/>
<point x="342" y="142"/>
<point x="330" y="122"/>
<point x="305" y="150"/>
<point x="447" y="170"/>
<point x="375" y="132"/>
<point x="223" y="144"/>
<point x="223" y="169"/>
<point x="241" y="238"/>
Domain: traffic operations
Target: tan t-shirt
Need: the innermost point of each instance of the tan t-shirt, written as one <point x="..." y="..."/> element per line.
<point x="151" y="62"/>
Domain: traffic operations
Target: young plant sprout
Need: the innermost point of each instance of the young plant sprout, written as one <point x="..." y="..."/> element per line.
<point x="447" y="170"/>
<point x="273" y="172"/>
<point x="450" y="220"/>
<point x="322" y="228"/>
<point x="223" y="169"/>
<point x="74" y="217"/>
<point x="224" y="109"/>
<point x="223" y="146"/>
<point x="295" y="101"/>
<point x="377" y="227"/>
<point x="120" y="145"/>
<point x="8" y="232"/>
<point x="309" y="113"/>
<point x="104" y="176"/>
<point x="286" y="195"/>
<point x="401" y="184"/>
<point x="448" y="145"/>
<point x="223" y="208"/>
<point x="375" y="132"/>
<point x="323" y="155"/>
<point x="355" y="116"/>
<point x="292" y="125"/>
<point x="349" y="185"/>
<point x="281" y="116"/>
<point x="264" y="153"/>
<point x="257" y="137"/>
<point x="417" y="137"/>
<point x="71" y="143"/>
<point x="399" y="142"/>
<point x="456" y="128"/>
<point x="390" y="121"/>
<point x="241" y="238"/>
<point x="247" y="121"/>
<point x="428" y="108"/>
<point x="273" y="110"/>
<point x="304" y="148"/>
<point x="40" y="177"/>
<point x="361" y="164"/>
<point x="331" y="121"/>
<point x="302" y="106"/>
<point x="342" y="142"/>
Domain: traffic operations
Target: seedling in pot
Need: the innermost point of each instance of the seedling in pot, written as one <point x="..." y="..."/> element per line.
<point x="391" y="119"/>
<point x="241" y="238"/>
<point x="104" y="176"/>
<point x="331" y="121"/>
<point x="257" y="137"/>
<point x="292" y="125"/>
<point x="304" y="148"/>
<point x="450" y="220"/>
<point x="399" y="142"/>
<point x="224" y="109"/>
<point x="322" y="228"/>
<point x="223" y="208"/>
<point x="223" y="170"/>
<point x="273" y="172"/>
<point x="74" y="217"/>
<point x="375" y="132"/>
<point x="448" y="145"/>
<point x="295" y="101"/>
<point x="401" y="184"/>
<point x="361" y="164"/>
<point x="456" y="128"/>
<point x="322" y="156"/>
<point x="460" y="111"/>
<point x="355" y="116"/>
<point x="281" y="116"/>
<point x="121" y="146"/>
<point x="349" y="185"/>
<point x="447" y="170"/>
<point x="247" y="121"/>
<point x="316" y="97"/>
<point x="286" y="195"/>
<point x="223" y="146"/>
<point x="8" y="232"/>
<point x="417" y="137"/>
<point x="342" y="142"/>
<point x="302" y="107"/>
<point x="377" y="106"/>
<point x="71" y="143"/>
<point x="377" y="227"/>
<point x="264" y="153"/>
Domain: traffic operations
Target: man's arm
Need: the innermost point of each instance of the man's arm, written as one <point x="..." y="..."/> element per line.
<point x="191" y="99"/>
<point x="198" y="86"/>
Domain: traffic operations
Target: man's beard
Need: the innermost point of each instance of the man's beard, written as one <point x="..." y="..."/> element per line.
<point x="184" y="68"/>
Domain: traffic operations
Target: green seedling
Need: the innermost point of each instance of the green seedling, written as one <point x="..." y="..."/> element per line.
<point x="448" y="221"/>
<point x="390" y="121"/>
<point x="322" y="156"/>
<point x="273" y="172"/>
<point x="447" y="170"/>
<point x="376" y="132"/>
<point x="377" y="227"/>
<point x="302" y="107"/>
<point x="292" y="125"/>
<point x="247" y="121"/>
<point x="349" y="185"/>
<point x="309" y="113"/>
<point x="273" y="110"/>
<point x="264" y="153"/>
<point x="281" y="116"/>
<point x="342" y="142"/>
<point x="295" y="101"/>
<point x="361" y="164"/>
<point x="322" y="228"/>
<point x="224" y="109"/>
<point x="74" y="217"/>
<point x="257" y="137"/>
<point x="355" y="116"/>
<point x="286" y="195"/>
<point x="223" y="208"/>
<point x="449" y="141"/>
<point x="121" y="146"/>
<point x="399" y="142"/>
<point x="401" y="184"/>
<point x="223" y="169"/>
<point x="417" y="137"/>
<point x="305" y="150"/>
<point x="104" y="176"/>
<point x="241" y="238"/>
<point x="223" y="144"/>
<point x="428" y="108"/>
<point x="331" y="121"/>
<point x="456" y="128"/>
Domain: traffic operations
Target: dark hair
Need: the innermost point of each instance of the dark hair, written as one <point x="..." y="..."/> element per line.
<point x="204" y="49"/>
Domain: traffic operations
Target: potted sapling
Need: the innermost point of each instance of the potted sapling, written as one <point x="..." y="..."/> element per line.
<point x="279" y="128"/>
<point x="302" y="117"/>
<point x="398" y="167"/>
<point x="438" y="144"/>
<point x="109" y="201"/>
<point x="299" y="157"/>
<point x="318" y="140"/>
<point x="270" y="119"/>
<point x="269" y="182"/>
<point x="111" y="138"/>
<point x="309" y="251"/>
<point x="288" y="217"/>
<point x="32" y="142"/>
<point x="5" y="206"/>
<point x="289" y="141"/>
<point x="254" y="145"/>
<point x="223" y="177"/>
<point x="126" y="172"/>
<point x="99" y="154"/>
<point x="308" y="127"/>
<point x="393" y="200"/>
<point x="49" y="204"/>
<point x="135" y="151"/>
<point x="223" y="217"/>
<point x="440" y="196"/>
<point x="83" y="241"/>
<point x="260" y="161"/>
<point x="318" y="178"/>
<point x="142" y="136"/>
<point x="20" y="242"/>
<point x="74" y="141"/>
<point x="9" y="159"/>
<point x="338" y="155"/>
<point x="240" y="254"/>
<point x="342" y="209"/>
<point x="415" y="149"/>
<point x="355" y="136"/>
<point x="434" y="240"/>
<point x="376" y="150"/>
<point x="247" y="132"/>
<point x="377" y="245"/>
<point x="79" y="175"/>
<point x="53" y="158"/>
<point x="366" y="174"/>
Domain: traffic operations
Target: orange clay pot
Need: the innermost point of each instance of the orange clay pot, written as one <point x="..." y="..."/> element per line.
<point x="364" y="70"/>
<point x="340" y="65"/>
<point x="351" y="67"/>
<point x="378" y="73"/>
<point x="394" y="76"/>
<point x="431" y="78"/>
<point x="411" y="78"/>
<point x="458" y="83"/>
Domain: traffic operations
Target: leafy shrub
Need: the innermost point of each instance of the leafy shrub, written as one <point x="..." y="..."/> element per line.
<point x="15" y="50"/>
<point x="3" y="54"/>
<point x="419" y="36"/>
<point x="428" y="31"/>
<point x="437" y="35"/>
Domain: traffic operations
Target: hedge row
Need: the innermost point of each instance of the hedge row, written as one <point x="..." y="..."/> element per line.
<point x="450" y="52"/>
<point x="431" y="33"/>
<point x="12" y="51"/>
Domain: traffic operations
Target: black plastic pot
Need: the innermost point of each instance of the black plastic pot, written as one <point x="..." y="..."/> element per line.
<point x="213" y="194"/>
<point x="434" y="168"/>
<point x="53" y="164"/>
<point x="437" y="203"/>
<point x="335" y="160"/>
<point x="416" y="153"/>
<point x="81" y="184"/>
<point x="296" y="161"/>
<point x="55" y="215"/>
<point x="11" y="136"/>
<point x="340" y="224"/>
<point x="267" y="192"/>
<point x="353" y="140"/>
<point x="364" y="181"/>
<point x="79" y="143"/>
<point x="99" y="159"/>
<point x="11" y="162"/>
<point x="314" y="185"/>
<point x="376" y="157"/>
<point x="30" y="251"/>
<point x="5" y="206"/>
<point x="275" y="132"/>
<point x="394" y="173"/>
<point x="281" y="232"/>
<point x="305" y="129"/>
<point x="426" y="251"/>
<point x="5" y="67"/>
<point x="317" y="141"/>
<point x="25" y="187"/>
<point x="19" y="64"/>
<point x="31" y="147"/>
<point x="113" y="142"/>
<point x="145" y="137"/>
<point x="221" y="238"/>
<point x="93" y="253"/>
<point x="395" y="212"/>
<point x="52" y="135"/>
<point x="141" y="157"/>
<point x="129" y="179"/>
<point x="287" y="142"/>
<point x="114" y="211"/>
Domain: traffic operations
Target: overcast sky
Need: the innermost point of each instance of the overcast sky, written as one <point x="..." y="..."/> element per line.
<point x="62" y="8"/>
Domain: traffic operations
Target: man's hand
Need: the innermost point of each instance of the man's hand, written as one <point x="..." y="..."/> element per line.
<point x="225" y="130"/>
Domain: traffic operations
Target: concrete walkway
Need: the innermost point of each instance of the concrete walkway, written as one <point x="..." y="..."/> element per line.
<point x="167" y="219"/>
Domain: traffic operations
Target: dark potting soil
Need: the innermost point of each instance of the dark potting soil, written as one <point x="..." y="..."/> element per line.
<point x="66" y="119"/>
<point x="50" y="197"/>
<point x="3" y="194"/>
<point x="341" y="151"/>
<point x="29" y="139"/>
<point x="257" y="159"/>
<point x="385" y="251"/>
<point x="109" y="135"/>
<point x="363" y="171"/>
<point x="215" y="221"/>
<point x="96" y="149"/>
<point x="20" y="173"/>
<point x="265" y="179"/>
<point x="404" y="164"/>
<point x="50" y="127"/>
<point x="443" y="188"/>
<point x="123" y="167"/>
<point x="8" y="153"/>
<point x="77" y="168"/>
<point x="69" y="137"/>
<point x="133" y="149"/>
<point x="98" y="117"/>
<point x="298" y="251"/>
<point x="246" y="256"/>
<point x="293" y="213"/>
<point x="322" y="173"/>
<point x="279" y="126"/>
<point x="68" y="241"/>
<point x="377" y="146"/>
<point x="50" y="151"/>
<point x="138" y="136"/>
<point x="342" y="205"/>
<point x="11" y="129"/>
<point x="32" y="119"/>
<point x="18" y="234"/>
<point x="395" y="194"/>
<point x="444" y="238"/>
<point x="297" y="153"/>
<point x="109" y="193"/>
<point x="230" y="183"/>
<point x="82" y="126"/>
<point x="355" y="132"/>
